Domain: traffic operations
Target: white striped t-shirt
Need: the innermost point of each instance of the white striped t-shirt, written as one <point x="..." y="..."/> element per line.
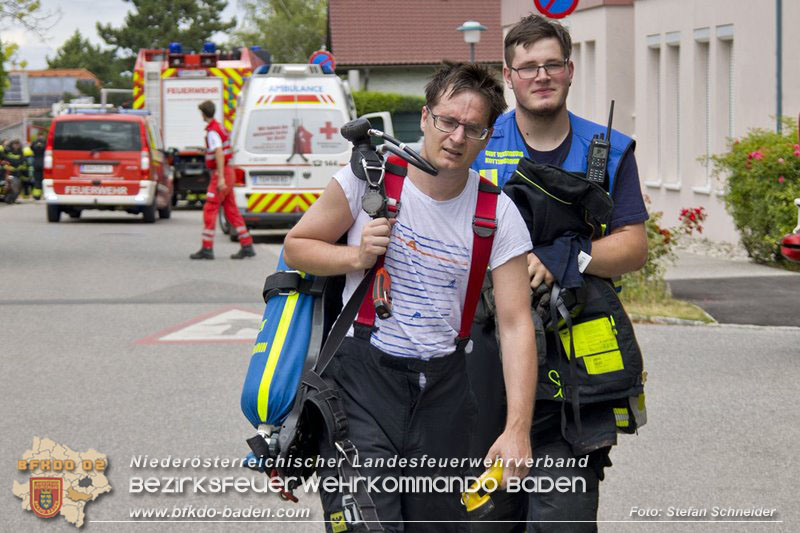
<point x="428" y="261"/>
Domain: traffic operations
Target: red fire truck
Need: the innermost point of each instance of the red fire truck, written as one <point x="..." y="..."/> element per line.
<point x="170" y="84"/>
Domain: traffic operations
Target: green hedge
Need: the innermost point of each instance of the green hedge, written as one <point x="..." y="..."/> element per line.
<point x="372" y="102"/>
<point x="763" y="170"/>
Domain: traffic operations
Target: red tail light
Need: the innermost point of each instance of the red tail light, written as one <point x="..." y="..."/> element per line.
<point x="144" y="164"/>
<point x="239" y="173"/>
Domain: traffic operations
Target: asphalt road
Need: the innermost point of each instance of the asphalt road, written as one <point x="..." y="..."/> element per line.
<point x="760" y="300"/>
<point x="86" y="306"/>
<point x="737" y="291"/>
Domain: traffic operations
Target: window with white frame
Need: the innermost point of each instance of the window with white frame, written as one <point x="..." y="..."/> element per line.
<point x="671" y="136"/>
<point x="652" y="144"/>
<point x="723" y="127"/>
<point x="702" y="110"/>
<point x="590" y="73"/>
<point x="576" y="91"/>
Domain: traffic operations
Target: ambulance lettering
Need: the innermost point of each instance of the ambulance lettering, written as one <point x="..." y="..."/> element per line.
<point x="295" y="88"/>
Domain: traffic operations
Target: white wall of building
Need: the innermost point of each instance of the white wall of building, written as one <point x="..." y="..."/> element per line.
<point x="723" y="55"/>
<point x="686" y="75"/>
<point x="603" y="61"/>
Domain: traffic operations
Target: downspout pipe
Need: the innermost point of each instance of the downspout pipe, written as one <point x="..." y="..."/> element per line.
<point x="779" y="65"/>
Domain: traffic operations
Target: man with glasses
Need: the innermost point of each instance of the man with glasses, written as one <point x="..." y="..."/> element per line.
<point x="406" y="394"/>
<point x="539" y="72"/>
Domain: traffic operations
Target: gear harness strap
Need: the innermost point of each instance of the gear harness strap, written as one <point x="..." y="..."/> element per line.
<point x="484" y="226"/>
<point x="360" y="509"/>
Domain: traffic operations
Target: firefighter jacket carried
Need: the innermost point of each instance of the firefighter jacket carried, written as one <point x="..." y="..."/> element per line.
<point x="505" y="149"/>
<point x="211" y="159"/>
<point x="591" y="352"/>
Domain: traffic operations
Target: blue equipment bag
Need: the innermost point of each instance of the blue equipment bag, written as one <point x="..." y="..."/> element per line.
<point x="287" y="344"/>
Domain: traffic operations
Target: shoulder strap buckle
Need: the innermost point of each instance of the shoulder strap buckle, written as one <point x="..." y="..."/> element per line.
<point x="484" y="227"/>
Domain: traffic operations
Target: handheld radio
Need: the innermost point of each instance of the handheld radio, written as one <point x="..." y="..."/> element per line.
<point x="598" y="153"/>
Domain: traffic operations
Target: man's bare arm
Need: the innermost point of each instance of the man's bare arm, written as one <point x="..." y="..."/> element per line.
<point x="513" y="304"/>
<point x="310" y="245"/>
<point x="219" y="156"/>
<point x="622" y="251"/>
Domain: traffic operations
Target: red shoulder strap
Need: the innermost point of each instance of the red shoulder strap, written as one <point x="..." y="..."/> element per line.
<point x="393" y="180"/>
<point x="484" y="226"/>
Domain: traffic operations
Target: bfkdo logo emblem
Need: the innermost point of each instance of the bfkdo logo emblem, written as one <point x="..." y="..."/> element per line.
<point x="46" y="496"/>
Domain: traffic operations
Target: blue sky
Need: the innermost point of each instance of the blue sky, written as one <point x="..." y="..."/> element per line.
<point x="76" y="14"/>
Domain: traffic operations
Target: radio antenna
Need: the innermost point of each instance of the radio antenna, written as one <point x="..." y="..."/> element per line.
<point x="610" y="118"/>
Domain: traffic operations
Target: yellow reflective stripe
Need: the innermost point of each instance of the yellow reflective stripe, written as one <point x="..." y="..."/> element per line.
<point x="252" y="200"/>
<point x="138" y="103"/>
<point x="278" y="203"/>
<point x="262" y="205"/>
<point x="233" y="75"/>
<point x="544" y="191"/>
<point x="595" y="341"/>
<point x="257" y="202"/>
<point x="622" y="417"/>
<point x="274" y="354"/>
<point x="490" y="174"/>
<point x="506" y="161"/>
<point x="168" y="73"/>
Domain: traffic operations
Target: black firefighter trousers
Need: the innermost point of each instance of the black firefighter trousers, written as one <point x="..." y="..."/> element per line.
<point x="391" y="417"/>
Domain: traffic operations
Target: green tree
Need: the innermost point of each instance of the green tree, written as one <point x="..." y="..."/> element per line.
<point x="291" y="30"/>
<point x="78" y="52"/>
<point x="156" y="23"/>
<point x="29" y="15"/>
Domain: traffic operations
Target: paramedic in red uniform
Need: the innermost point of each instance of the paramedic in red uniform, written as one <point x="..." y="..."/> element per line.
<point x="218" y="153"/>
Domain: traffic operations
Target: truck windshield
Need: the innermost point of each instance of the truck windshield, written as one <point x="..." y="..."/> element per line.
<point x="103" y="135"/>
<point x="295" y="131"/>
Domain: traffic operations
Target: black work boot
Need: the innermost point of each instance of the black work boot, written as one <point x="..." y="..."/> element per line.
<point x="244" y="251"/>
<point x="203" y="253"/>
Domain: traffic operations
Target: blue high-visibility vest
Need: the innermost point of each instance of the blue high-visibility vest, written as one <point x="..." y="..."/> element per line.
<point x="500" y="158"/>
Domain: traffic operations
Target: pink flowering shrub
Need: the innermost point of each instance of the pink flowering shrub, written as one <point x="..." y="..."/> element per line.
<point x="763" y="179"/>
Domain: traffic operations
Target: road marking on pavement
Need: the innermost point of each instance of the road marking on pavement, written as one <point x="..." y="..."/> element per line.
<point x="231" y="324"/>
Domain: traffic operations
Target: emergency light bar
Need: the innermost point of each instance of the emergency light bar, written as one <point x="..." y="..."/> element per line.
<point x="94" y="109"/>
<point x="295" y="69"/>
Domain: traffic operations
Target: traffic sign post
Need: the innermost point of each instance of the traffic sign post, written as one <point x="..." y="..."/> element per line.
<point x="556" y="9"/>
<point x="324" y="59"/>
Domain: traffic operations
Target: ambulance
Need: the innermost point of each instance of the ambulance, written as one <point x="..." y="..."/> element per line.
<point x="286" y="142"/>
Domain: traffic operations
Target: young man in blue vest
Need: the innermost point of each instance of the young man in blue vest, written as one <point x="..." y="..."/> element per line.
<point x="404" y="384"/>
<point x="539" y="71"/>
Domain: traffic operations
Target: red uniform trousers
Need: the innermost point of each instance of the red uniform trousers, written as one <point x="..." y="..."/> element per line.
<point x="211" y="208"/>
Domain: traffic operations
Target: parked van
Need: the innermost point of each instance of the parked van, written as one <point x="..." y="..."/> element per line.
<point x="286" y="142"/>
<point x="101" y="159"/>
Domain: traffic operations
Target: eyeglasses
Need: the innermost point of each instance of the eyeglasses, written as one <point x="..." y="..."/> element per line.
<point x="551" y="69"/>
<point x="449" y="125"/>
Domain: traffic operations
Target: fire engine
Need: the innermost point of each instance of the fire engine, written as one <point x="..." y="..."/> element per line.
<point x="170" y="84"/>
